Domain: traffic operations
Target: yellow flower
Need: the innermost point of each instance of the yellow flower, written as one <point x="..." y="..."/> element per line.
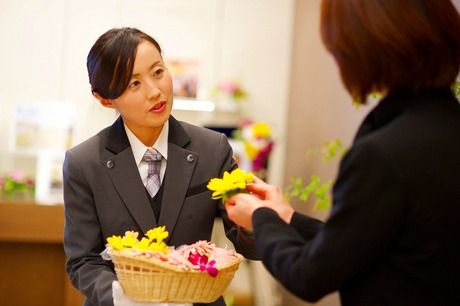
<point x="130" y="239"/>
<point x="115" y="242"/>
<point x="142" y="245"/>
<point x="159" y="234"/>
<point x="231" y="183"/>
<point x="153" y="241"/>
<point x="159" y="247"/>
<point x="261" y="130"/>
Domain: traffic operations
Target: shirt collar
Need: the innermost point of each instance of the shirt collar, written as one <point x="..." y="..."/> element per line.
<point x="161" y="144"/>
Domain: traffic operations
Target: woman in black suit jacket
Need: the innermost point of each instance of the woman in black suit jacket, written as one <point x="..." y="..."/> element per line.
<point x="392" y="236"/>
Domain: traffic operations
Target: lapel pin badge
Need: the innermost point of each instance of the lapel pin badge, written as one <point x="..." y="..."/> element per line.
<point x="110" y="164"/>
<point x="190" y="158"/>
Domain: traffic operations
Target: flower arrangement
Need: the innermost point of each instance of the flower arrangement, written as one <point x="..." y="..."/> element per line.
<point x="16" y="184"/>
<point x="230" y="89"/>
<point x="231" y="183"/>
<point x="258" y="144"/>
<point x="201" y="256"/>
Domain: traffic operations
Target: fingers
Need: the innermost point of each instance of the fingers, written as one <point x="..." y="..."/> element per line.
<point x="258" y="180"/>
<point x="240" y="209"/>
<point x="265" y="191"/>
<point x="260" y="190"/>
<point x="241" y="198"/>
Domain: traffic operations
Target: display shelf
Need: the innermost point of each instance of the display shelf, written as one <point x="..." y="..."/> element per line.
<point x="32" y="257"/>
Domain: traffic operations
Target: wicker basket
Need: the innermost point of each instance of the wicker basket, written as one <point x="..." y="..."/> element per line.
<point x="151" y="280"/>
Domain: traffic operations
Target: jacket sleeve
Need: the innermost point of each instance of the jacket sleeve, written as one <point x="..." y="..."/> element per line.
<point x="83" y="240"/>
<point x="366" y="216"/>
<point x="242" y="239"/>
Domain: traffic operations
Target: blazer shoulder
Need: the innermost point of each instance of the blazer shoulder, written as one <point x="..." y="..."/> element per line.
<point x="90" y="145"/>
<point x="197" y="131"/>
<point x="206" y="141"/>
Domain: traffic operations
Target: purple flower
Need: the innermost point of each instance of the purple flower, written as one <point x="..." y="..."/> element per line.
<point x="202" y="262"/>
<point x="194" y="259"/>
<point x="260" y="161"/>
<point x="211" y="269"/>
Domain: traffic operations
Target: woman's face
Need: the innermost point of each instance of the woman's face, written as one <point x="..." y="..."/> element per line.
<point x="146" y="103"/>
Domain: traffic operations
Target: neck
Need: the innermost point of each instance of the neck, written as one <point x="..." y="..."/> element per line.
<point x="147" y="136"/>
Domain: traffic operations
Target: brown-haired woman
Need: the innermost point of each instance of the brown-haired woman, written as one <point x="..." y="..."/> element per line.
<point x="392" y="237"/>
<point x="110" y="188"/>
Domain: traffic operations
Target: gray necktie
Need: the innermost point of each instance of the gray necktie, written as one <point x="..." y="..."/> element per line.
<point x="153" y="177"/>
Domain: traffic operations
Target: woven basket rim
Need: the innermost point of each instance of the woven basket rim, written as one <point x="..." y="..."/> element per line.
<point x="120" y="256"/>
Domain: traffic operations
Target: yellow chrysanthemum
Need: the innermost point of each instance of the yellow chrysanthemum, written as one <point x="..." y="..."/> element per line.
<point x="261" y="130"/>
<point x="115" y="242"/>
<point x="159" y="247"/>
<point x="229" y="183"/>
<point x="158" y="234"/>
<point x="130" y="239"/>
<point x="143" y="245"/>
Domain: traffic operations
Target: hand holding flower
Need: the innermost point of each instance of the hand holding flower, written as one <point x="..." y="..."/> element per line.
<point x="240" y="207"/>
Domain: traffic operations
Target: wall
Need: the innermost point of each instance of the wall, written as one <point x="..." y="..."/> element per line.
<point x="44" y="58"/>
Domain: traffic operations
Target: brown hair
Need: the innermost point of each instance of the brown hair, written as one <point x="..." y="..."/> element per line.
<point x="384" y="45"/>
<point x="111" y="59"/>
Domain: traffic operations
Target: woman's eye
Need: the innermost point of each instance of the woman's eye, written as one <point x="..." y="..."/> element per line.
<point x="134" y="84"/>
<point x="158" y="72"/>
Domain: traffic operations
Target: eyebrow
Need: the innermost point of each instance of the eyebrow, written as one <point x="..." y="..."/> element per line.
<point x="150" y="68"/>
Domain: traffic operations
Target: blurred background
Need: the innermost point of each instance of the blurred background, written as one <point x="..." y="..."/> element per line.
<point x="253" y="69"/>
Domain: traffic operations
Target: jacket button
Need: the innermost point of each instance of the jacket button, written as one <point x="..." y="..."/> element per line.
<point x="190" y="158"/>
<point x="110" y="164"/>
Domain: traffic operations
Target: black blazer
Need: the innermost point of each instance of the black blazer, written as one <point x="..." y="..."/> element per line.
<point x="104" y="196"/>
<point x="392" y="237"/>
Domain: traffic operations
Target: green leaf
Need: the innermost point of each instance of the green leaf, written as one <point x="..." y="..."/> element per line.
<point x="332" y="149"/>
<point x="322" y="204"/>
<point x="456" y="89"/>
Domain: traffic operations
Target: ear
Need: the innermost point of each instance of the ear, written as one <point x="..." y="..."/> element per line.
<point x="104" y="102"/>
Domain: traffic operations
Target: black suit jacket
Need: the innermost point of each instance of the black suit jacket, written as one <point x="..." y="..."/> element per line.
<point x="392" y="237"/>
<point x="104" y="196"/>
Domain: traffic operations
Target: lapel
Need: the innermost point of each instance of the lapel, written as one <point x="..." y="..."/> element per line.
<point x="122" y="170"/>
<point x="180" y="167"/>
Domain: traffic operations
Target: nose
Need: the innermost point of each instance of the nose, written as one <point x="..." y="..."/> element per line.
<point x="153" y="90"/>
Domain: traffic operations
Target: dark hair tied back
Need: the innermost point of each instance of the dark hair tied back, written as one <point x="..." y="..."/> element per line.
<point x="111" y="59"/>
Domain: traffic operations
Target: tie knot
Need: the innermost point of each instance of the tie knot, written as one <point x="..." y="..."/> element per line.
<point x="150" y="156"/>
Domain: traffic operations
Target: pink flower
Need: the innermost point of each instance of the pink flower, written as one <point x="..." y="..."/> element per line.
<point x="18" y="176"/>
<point x="228" y="87"/>
<point x="30" y="182"/>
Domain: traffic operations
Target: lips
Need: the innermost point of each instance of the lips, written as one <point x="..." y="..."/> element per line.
<point x="158" y="107"/>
